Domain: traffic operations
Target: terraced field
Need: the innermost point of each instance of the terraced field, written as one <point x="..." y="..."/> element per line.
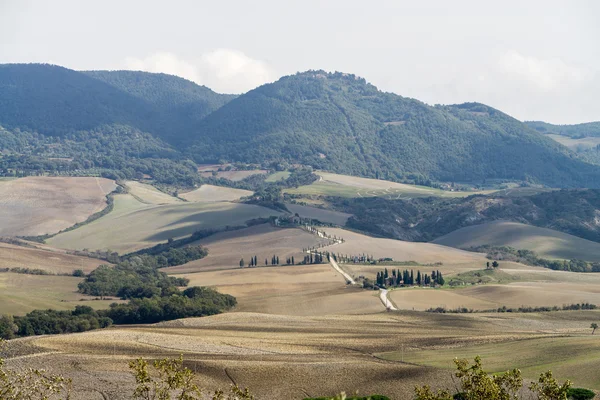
<point x="547" y="243"/>
<point x="39" y="205"/>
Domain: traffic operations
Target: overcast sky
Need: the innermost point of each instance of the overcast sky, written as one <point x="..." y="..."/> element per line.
<point x="532" y="59"/>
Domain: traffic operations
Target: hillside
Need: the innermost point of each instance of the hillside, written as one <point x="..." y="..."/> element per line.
<point x="340" y="123"/>
<point x="577" y="131"/>
<point x="425" y="219"/>
<point x="53" y="100"/>
<point x="127" y="124"/>
<point x="546" y="243"/>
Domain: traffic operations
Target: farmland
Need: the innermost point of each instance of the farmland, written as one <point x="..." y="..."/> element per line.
<point x="331" y="184"/>
<point x="133" y="225"/>
<point x="40" y="205"/>
<point x="54" y="262"/>
<point x="263" y="241"/>
<point x="211" y="193"/>
<point x="22" y="293"/>
<point x="148" y="194"/>
<point x="547" y="243"/>
<point x="321" y="355"/>
<point x="333" y="217"/>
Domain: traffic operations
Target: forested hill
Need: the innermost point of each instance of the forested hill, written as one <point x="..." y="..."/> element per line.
<point x="339" y="122"/>
<point x="590" y="129"/>
<point x="114" y="122"/>
<point x="53" y="100"/>
<point x="172" y="96"/>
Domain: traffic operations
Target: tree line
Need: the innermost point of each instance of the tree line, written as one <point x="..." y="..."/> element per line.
<point x="406" y="278"/>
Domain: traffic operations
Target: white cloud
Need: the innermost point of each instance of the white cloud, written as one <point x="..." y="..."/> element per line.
<point x="223" y="70"/>
<point x="546" y="74"/>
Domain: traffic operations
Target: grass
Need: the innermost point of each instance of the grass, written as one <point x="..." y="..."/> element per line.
<point x="278" y="176"/>
<point x="547" y="243"/>
<point x="133" y="225"/>
<point x="34" y="206"/>
<point x="351" y="186"/>
<point x="21" y="293"/>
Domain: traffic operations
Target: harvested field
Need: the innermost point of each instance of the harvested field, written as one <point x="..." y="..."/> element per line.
<point x="547" y="243"/>
<point x="133" y="225"/>
<point x="39" y="205"/>
<point x="225" y="249"/>
<point x="22" y="293"/>
<point x="332" y="217"/>
<point x="234" y="176"/>
<point x="290" y="290"/>
<point x="148" y="194"/>
<point x="322" y="355"/>
<point x="211" y="193"/>
<point x="485" y="297"/>
<point x="356" y="244"/>
<point x="55" y="262"/>
<point x="351" y="186"/>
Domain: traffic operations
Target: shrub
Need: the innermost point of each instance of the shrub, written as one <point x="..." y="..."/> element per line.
<point x="580" y="394"/>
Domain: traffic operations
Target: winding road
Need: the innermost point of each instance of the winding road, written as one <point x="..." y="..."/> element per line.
<point x="383" y="296"/>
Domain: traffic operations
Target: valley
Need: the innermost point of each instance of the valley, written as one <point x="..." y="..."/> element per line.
<point x="310" y="236"/>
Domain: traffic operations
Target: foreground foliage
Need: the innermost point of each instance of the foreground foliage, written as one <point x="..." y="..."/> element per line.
<point x="476" y="384"/>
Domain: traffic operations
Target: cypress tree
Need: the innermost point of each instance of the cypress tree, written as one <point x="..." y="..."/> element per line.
<point x="418" y="277"/>
<point x="242" y="262"/>
<point x="293" y="260"/>
<point x="412" y="277"/>
<point x="277" y="260"/>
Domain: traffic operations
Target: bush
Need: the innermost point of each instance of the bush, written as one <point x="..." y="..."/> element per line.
<point x="580" y="394"/>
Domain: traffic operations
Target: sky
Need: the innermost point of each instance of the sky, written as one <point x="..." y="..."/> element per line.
<point x="535" y="60"/>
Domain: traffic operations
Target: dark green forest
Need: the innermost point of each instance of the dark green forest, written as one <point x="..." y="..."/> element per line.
<point x="125" y="124"/>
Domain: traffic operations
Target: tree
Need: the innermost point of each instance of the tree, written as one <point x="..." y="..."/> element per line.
<point x="293" y="262"/>
<point x="594" y="326"/>
<point x="418" y="277"/>
<point x="495" y="264"/>
<point x="242" y="263"/>
<point x="477" y="384"/>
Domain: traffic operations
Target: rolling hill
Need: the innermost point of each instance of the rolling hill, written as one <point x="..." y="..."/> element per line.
<point x="547" y="243"/>
<point x="338" y="122"/>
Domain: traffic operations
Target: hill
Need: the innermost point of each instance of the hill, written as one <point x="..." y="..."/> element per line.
<point x="425" y="219"/>
<point x="338" y="122"/>
<point x="547" y="243"/>
<point x="53" y="100"/>
<point x="577" y="131"/>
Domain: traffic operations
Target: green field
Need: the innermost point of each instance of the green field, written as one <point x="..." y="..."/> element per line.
<point x="133" y="225"/>
<point x="350" y="186"/>
<point x="278" y="176"/>
<point x="547" y="243"/>
<point x="21" y="293"/>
